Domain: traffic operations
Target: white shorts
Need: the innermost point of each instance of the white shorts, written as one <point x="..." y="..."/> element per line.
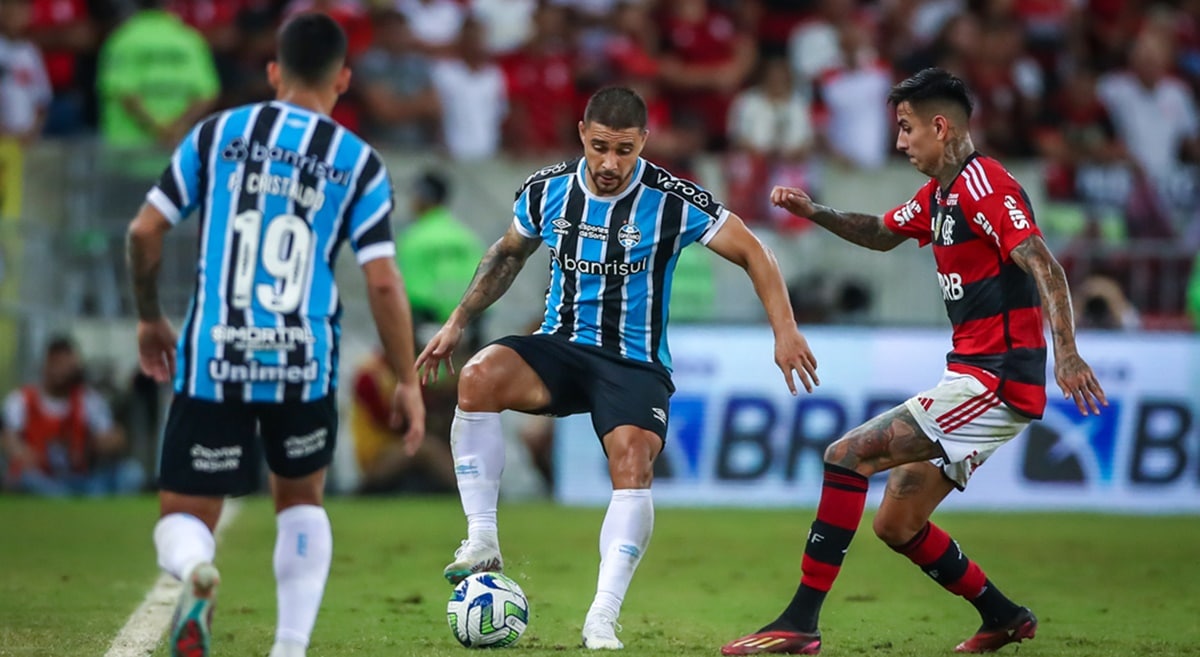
<point x="967" y="420"/>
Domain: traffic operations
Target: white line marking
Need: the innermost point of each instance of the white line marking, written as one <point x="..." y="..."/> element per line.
<point x="145" y="627"/>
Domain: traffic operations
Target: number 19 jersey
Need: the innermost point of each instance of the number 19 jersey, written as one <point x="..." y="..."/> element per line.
<point x="277" y="189"/>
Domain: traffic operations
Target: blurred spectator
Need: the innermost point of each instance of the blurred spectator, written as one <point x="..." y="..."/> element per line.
<point x="628" y="49"/>
<point x="953" y="49"/>
<point x="437" y="255"/>
<point x="694" y="287"/>
<point x="771" y="135"/>
<point x="508" y="23"/>
<point x="1008" y="87"/>
<point x="814" y="45"/>
<point x="707" y="58"/>
<point x="543" y="102"/>
<point x="1156" y="117"/>
<point x="67" y="37"/>
<point x="156" y="79"/>
<point x="59" y="437"/>
<point x="244" y="81"/>
<point x="217" y="21"/>
<point x="474" y="103"/>
<point x="1078" y="141"/>
<point x="24" y="87"/>
<point x="383" y="465"/>
<point x="1103" y="305"/>
<point x="853" y="98"/>
<point x="436" y="24"/>
<point x="24" y="95"/>
<point x="394" y="81"/>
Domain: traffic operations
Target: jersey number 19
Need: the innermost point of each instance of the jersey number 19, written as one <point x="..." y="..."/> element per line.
<point x="285" y="255"/>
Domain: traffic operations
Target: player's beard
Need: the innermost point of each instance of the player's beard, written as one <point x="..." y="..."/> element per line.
<point x="608" y="185"/>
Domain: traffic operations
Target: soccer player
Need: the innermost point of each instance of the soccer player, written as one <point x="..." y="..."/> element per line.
<point x="278" y="186"/>
<point x="996" y="276"/>
<point x="615" y="224"/>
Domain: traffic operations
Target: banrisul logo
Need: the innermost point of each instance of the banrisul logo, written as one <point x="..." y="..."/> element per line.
<point x="1070" y="448"/>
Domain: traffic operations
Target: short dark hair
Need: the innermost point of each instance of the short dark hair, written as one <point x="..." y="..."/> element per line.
<point x="616" y="107"/>
<point x="60" y="344"/>
<point x="311" y="46"/>
<point x="432" y="187"/>
<point x="932" y="85"/>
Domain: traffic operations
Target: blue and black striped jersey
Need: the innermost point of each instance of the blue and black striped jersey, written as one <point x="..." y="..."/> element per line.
<point x="277" y="189"/>
<point x="612" y="257"/>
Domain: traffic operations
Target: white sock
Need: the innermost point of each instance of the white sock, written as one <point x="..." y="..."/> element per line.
<point x="624" y="537"/>
<point x="303" y="550"/>
<point x="183" y="541"/>
<point x="478" y="446"/>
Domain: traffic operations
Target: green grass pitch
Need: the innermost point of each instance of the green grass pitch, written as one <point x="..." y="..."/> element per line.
<point x="72" y="572"/>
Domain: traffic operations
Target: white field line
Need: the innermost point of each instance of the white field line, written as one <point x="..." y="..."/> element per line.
<point x="144" y="629"/>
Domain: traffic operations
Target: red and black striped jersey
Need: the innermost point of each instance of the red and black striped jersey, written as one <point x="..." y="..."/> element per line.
<point x="992" y="303"/>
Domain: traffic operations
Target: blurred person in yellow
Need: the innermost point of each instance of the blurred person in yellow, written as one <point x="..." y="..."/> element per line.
<point x="155" y="78"/>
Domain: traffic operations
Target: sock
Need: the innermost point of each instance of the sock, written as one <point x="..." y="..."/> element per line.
<point x="477" y="443"/>
<point x="942" y="559"/>
<point x="303" y="550"/>
<point x="183" y="541"/>
<point x="843" y="495"/>
<point x="624" y="537"/>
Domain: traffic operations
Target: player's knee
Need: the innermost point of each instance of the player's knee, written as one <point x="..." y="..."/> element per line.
<point x="631" y="459"/>
<point x="844" y="452"/>
<point x="894" y="530"/>
<point x="477" y="388"/>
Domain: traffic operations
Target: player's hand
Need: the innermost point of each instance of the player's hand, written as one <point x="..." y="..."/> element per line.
<point x="792" y="354"/>
<point x="794" y="200"/>
<point x="1078" y="382"/>
<point x="439" y="350"/>
<point x="156" y="349"/>
<point x="408" y="415"/>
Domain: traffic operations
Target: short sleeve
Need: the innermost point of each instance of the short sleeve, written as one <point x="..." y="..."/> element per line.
<point x="177" y="193"/>
<point x="527" y="211"/>
<point x="1008" y="212"/>
<point x="370" y="213"/>
<point x="913" y="219"/>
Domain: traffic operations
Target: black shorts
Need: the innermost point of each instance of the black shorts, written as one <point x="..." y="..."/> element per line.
<point x="211" y="448"/>
<point x="586" y="379"/>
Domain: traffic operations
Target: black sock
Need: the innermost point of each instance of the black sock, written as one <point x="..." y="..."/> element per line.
<point x="801" y="613"/>
<point x="994" y="607"/>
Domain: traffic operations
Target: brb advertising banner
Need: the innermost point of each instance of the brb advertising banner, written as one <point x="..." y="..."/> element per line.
<point x="738" y="438"/>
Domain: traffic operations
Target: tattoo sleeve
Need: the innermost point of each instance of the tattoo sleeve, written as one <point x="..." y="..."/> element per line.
<point x="861" y="229"/>
<point x="1034" y="257"/>
<point x="496" y="272"/>
<point x="145" y="259"/>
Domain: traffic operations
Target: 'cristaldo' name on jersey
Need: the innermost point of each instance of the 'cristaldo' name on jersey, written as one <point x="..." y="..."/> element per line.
<point x="262" y="338"/>
<point x="239" y="150"/>
<point x="253" y="371"/>
<point x="286" y="186"/>
<point x="622" y="268"/>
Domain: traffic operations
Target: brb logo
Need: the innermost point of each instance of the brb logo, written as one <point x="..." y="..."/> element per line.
<point x="1069" y="448"/>
<point x="952" y="286"/>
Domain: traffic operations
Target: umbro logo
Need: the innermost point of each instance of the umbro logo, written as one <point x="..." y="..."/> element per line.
<point x="561" y="222"/>
<point x="659" y="414"/>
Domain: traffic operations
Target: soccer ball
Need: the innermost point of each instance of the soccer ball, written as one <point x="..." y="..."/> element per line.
<point x="487" y="610"/>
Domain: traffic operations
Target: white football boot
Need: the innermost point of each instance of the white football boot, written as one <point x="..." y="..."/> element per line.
<point x="474" y="557"/>
<point x="600" y="633"/>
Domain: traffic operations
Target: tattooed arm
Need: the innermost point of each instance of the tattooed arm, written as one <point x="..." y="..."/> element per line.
<point x="495" y="274"/>
<point x="1074" y="375"/>
<point x="156" y="338"/>
<point x="861" y="229"/>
